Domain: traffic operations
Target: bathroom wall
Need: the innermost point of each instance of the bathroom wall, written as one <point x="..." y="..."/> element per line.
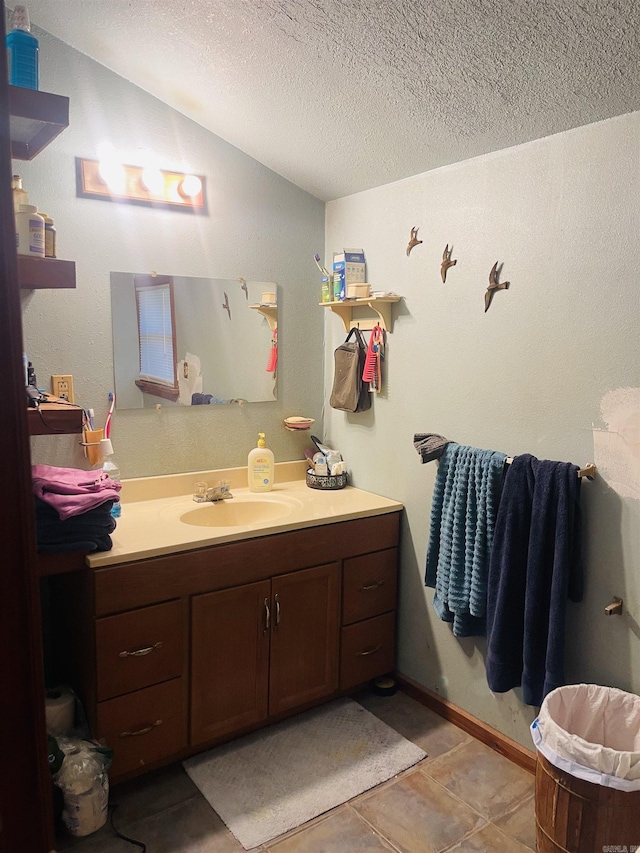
<point x="259" y="227"/>
<point x="540" y="372"/>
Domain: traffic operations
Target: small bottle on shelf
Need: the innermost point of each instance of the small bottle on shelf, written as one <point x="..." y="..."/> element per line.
<point x="29" y="231"/>
<point x="22" y="51"/>
<point x="50" y="236"/>
<point x="19" y="193"/>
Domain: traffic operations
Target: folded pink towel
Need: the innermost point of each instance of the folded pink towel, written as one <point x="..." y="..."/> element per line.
<point x="72" y="491"/>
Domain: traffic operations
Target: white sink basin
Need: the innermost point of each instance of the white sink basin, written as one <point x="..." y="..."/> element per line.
<point x="240" y="511"/>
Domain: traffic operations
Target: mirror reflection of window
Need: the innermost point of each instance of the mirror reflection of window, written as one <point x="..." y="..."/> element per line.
<point x="157" y="336"/>
<point x="185" y="346"/>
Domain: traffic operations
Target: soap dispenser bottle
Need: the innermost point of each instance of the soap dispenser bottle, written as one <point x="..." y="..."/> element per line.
<point x="260" y="467"/>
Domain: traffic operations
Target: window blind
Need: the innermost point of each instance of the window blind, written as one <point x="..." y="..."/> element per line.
<point x="157" y="359"/>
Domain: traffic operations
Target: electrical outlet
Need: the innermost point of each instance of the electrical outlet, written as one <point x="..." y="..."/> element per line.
<point x="62" y="386"/>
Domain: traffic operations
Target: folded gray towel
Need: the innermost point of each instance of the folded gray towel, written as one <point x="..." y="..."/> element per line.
<point x="430" y="445"/>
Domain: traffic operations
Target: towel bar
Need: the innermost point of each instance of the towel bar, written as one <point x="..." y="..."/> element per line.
<point x="589" y="470"/>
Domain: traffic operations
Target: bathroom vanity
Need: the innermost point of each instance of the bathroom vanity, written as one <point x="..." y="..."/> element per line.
<point x="178" y="640"/>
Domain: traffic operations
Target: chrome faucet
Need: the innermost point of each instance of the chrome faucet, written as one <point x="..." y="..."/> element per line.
<point x="220" y="492"/>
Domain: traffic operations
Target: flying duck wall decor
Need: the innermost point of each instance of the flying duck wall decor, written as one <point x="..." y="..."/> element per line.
<point x="413" y="240"/>
<point x="446" y="262"/>
<point x="493" y="286"/>
<point x="226" y="305"/>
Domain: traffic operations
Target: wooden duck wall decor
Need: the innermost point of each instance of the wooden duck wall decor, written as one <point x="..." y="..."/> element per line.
<point x="493" y="286"/>
<point x="413" y="240"/>
<point x="446" y="262"/>
<point x="226" y="305"/>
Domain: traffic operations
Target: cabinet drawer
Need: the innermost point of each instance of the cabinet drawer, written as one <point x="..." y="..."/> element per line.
<point x="370" y="584"/>
<point x="144" y="726"/>
<point x="368" y="650"/>
<point x="138" y="648"/>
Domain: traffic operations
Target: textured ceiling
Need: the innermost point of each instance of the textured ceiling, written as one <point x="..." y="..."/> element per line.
<point x="343" y="95"/>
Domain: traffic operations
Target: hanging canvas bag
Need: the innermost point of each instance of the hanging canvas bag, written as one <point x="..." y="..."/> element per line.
<point x="350" y="393"/>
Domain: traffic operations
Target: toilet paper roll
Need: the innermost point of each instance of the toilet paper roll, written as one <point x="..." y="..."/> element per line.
<point x="60" y="707"/>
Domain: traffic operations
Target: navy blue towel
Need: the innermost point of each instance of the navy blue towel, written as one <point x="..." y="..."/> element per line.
<point x="535" y="565"/>
<point x="88" y="531"/>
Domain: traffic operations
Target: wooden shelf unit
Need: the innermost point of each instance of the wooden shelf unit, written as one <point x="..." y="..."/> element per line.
<point x="35" y="119"/>
<point x="269" y="312"/>
<point x="55" y="418"/>
<point x="36" y="273"/>
<point x="380" y="306"/>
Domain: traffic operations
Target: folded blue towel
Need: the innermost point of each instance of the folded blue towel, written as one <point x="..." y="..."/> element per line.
<point x="463" y="512"/>
<point x="88" y="531"/>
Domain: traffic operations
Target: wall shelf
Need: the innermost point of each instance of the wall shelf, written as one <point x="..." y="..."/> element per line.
<point x="380" y="306"/>
<point x="270" y="312"/>
<point x="55" y="418"/>
<point x="35" y="119"/>
<point x="37" y="273"/>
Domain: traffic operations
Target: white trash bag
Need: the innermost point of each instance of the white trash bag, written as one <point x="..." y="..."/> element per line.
<point x="593" y="733"/>
<point x="84" y="783"/>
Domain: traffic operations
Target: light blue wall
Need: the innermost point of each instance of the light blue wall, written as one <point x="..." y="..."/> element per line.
<point x="260" y="227"/>
<point x="562" y="215"/>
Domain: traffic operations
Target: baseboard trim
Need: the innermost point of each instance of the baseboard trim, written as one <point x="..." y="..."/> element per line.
<point x="512" y="750"/>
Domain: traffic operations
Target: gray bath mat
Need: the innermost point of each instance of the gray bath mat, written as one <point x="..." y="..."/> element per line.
<point x="271" y="781"/>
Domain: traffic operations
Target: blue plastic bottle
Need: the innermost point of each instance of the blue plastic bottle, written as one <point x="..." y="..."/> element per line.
<point x="22" y="51"/>
<point x="110" y="467"/>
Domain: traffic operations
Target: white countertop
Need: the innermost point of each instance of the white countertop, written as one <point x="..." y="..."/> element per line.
<point x="151" y="526"/>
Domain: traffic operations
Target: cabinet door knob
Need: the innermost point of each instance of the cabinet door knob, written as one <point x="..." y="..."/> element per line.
<point x="140" y="653"/>
<point x="143" y="731"/>
<point x="369" y="651"/>
<point x="277" y="601"/>
<point x="372" y="586"/>
<point x="267" y="616"/>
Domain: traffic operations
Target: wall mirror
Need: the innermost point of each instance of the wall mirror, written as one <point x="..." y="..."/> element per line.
<point x="181" y="341"/>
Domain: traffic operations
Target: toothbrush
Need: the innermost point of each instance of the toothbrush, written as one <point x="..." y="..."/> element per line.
<point x="107" y="425"/>
<point x="322" y="269"/>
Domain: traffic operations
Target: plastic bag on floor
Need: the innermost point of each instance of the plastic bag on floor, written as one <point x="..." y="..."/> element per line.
<point x="592" y="732"/>
<point x="84" y="783"/>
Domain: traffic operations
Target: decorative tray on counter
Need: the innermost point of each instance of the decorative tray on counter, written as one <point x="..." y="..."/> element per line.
<point x="330" y="482"/>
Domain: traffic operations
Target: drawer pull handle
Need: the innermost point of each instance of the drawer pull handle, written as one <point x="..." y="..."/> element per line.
<point x="267" y="616"/>
<point x="143" y="731"/>
<point x="370" y="651"/>
<point x="140" y="653"/>
<point x="372" y="586"/>
<point x="277" y="600"/>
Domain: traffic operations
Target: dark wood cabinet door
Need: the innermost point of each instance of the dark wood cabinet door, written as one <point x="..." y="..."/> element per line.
<point x="229" y="660"/>
<point x="304" y="636"/>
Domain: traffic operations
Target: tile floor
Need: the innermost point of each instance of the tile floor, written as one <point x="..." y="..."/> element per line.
<point x="463" y="798"/>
